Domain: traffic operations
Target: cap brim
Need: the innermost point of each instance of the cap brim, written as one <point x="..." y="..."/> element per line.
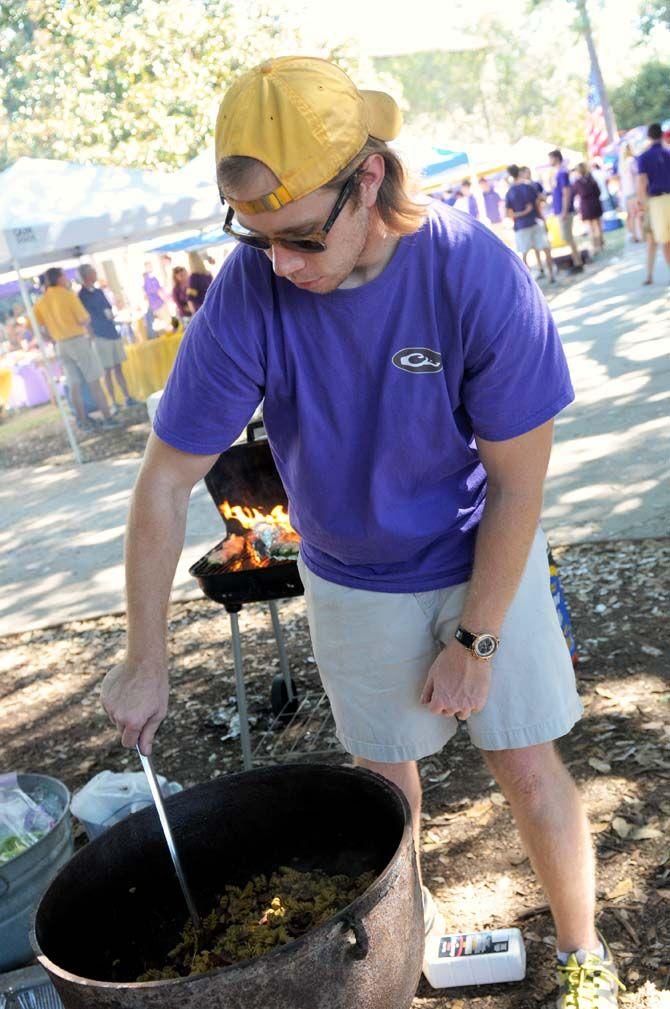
<point x="384" y="115"/>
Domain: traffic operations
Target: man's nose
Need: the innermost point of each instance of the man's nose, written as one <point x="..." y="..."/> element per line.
<point x="286" y="261"/>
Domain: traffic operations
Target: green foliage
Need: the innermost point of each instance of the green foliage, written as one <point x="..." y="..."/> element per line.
<point x="132" y="82"/>
<point x="502" y="90"/>
<point x="644" y="98"/>
<point x="655" y="13"/>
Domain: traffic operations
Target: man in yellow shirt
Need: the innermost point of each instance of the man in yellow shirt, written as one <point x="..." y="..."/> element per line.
<point x="60" y="312"/>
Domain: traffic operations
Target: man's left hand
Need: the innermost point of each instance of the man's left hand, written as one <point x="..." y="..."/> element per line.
<point x="458" y="683"/>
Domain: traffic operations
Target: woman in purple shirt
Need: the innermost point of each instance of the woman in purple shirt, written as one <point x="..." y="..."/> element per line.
<point x="198" y="281"/>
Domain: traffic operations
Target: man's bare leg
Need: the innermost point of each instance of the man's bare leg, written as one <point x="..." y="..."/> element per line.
<point x="551" y="819"/>
<point x="406" y="776"/>
<point x="99" y="397"/>
<point x="78" y="403"/>
<point x="109" y="383"/>
<point x="119" y="376"/>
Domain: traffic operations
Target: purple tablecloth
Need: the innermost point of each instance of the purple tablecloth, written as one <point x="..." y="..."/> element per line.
<point x="30" y="387"/>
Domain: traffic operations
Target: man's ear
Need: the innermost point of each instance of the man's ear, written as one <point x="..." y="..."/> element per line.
<point x="372" y="172"/>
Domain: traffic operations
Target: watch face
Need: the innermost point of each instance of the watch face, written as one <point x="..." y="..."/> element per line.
<point x="485" y="645"/>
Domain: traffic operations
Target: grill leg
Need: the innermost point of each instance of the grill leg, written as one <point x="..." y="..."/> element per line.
<point x="245" y="739"/>
<point x="283" y="660"/>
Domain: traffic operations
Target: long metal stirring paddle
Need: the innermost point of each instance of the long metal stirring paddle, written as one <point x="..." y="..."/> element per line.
<point x="162" y="816"/>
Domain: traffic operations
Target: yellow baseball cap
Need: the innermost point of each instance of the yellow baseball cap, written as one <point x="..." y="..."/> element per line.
<point x="305" y="119"/>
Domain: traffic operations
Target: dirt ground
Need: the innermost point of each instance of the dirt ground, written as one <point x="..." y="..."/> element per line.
<point x="619" y="753"/>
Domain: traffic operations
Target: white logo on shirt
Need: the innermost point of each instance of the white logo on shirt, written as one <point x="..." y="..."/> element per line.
<point x="417" y="360"/>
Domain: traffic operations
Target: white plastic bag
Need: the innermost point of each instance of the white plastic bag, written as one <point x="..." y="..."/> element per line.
<point x="109" y="797"/>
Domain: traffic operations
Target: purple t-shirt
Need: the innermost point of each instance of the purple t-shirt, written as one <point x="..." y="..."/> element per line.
<point x="492" y="206"/>
<point x="373" y="395"/>
<point x="198" y="285"/>
<point x="655" y="164"/>
<point x="152" y="286"/>
<point x="518" y="197"/>
<point x="562" y="180"/>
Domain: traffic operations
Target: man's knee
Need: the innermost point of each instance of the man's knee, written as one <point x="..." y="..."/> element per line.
<point x="525" y="774"/>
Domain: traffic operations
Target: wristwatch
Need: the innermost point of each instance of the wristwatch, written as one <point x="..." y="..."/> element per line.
<point x="482" y="646"/>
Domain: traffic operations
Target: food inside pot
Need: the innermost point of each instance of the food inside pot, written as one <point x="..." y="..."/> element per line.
<point x="256" y="918"/>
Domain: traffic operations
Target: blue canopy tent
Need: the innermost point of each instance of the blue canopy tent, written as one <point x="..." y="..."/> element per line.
<point x="193" y="242"/>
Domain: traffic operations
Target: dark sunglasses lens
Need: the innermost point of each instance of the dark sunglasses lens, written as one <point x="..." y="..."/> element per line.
<point x="308" y="245"/>
<point x="255" y="243"/>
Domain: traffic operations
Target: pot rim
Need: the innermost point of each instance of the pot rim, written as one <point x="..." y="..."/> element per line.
<point x="362" y="905"/>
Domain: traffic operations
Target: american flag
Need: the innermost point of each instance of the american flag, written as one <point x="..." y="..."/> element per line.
<point x="597" y="138"/>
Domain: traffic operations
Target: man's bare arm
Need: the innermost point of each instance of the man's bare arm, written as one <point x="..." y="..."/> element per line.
<point x="515" y="471"/>
<point x="457" y="682"/>
<point x="134" y="693"/>
<point x="642" y="189"/>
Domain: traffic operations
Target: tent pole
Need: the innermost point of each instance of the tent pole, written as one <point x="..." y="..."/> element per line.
<point x="53" y="385"/>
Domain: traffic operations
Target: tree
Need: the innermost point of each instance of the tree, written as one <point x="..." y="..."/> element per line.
<point x="132" y="82"/>
<point x="655" y="13"/>
<point x="583" y="27"/>
<point x="644" y="98"/>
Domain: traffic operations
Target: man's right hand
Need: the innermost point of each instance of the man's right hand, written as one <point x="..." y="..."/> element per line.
<point x="136" y="700"/>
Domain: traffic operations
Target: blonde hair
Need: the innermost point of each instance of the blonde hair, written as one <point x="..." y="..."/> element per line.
<point x="398" y="211"/>
<point x="196" y="264"/>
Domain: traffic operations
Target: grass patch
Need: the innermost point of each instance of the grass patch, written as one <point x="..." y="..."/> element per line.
<point x="26" y="420"/>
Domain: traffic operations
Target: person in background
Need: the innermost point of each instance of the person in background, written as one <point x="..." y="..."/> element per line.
<point x="157" y="299"/>
<point x="60" y="312"/>
<point x="451" y="196"/>
<point x="107" y="338"/>
<point x="628" y="183"/>
<point x="526" y="176"/>
<point x="651" y="246"/>
<point x="600" y="176"/>
<point x="180" y="293"/>
<point x="563" y="203"/>
<point x="653" y="187"/>
<point x="522" y="204"/>
<point x="199" y="280"/>
<point x="466" y="202"/>
<point x="493" y="203"/>
<point x="588" y="192"/>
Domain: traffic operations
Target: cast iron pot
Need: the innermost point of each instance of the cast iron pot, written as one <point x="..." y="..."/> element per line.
<point x="116" y="907"/>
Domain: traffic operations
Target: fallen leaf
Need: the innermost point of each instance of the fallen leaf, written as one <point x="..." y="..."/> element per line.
<point x="479" y="808"/>
<point x="665" y="894"/>
<point x="621" y="889"/>
<point x="644" y="834"/>
<point x="621" y="827"/>
<point x="599" y="826"/>
<point x="651" y="650"/>
<point x="521" y="858"/>
<point x="604" y="692"/>
<point x="599" y="765"/>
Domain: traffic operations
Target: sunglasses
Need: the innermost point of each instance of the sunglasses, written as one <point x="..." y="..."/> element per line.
<point x="300" y="243"/>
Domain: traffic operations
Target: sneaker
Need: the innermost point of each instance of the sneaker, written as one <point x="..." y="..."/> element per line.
<point x="109" y="424"/>
<point x="85" y="425"/>
<point x="433" y="921"/>
<point x="588" y="981"/>
<point x="576" y="269"/>
<point x="132" y="402"/>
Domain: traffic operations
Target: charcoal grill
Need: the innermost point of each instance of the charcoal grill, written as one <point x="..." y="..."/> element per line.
<point x="246" y="474"/>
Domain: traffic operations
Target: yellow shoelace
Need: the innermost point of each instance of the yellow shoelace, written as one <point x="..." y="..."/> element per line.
<point x="582" y="983"/>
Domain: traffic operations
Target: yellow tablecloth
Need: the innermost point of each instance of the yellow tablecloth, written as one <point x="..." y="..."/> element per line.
<point x="148" y="365"/>
<point x="6" y="378"/>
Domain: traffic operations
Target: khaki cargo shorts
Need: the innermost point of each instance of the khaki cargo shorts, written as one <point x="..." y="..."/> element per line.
<point x="659" y="217"/>
<point x="374" y="650"/>
<point x="110" y="352"/>
<point x="80" y="360"/>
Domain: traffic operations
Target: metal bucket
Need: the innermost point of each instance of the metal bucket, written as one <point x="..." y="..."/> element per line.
<point x="116" y="907"/>
<point x="24" y="879"/>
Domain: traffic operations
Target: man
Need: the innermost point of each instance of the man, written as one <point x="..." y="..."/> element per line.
<point x="65" y="319"/>
<point x="410" y="371"/>
<point x="466" y="202"/>
<point x="157" y="300"/>
<point x="653" y="191"/>
<point x="526" y="176"/>
<point x="108" y="342"/>
<point x="522" y="204"/>
<point x="563" y="201"/>
<point x="492" y="202"/>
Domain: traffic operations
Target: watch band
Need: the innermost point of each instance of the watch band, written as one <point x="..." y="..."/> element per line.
<point x="465" y="637"/>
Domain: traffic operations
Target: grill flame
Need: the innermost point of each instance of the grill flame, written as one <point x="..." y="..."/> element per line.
<point x="263" y="537"/>
<point x="250" y="517"/>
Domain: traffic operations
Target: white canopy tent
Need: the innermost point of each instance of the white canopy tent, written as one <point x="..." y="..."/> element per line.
<point x="55" y="210"/>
